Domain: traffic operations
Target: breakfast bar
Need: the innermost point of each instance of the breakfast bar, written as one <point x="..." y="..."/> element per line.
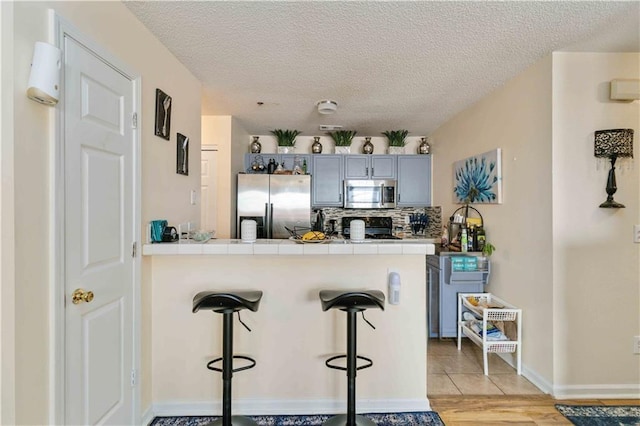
<point x="291" y="337"/>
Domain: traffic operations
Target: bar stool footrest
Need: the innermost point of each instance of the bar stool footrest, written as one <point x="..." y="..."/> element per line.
<point x="339" y="367"/>
<point x="233" y="370"/>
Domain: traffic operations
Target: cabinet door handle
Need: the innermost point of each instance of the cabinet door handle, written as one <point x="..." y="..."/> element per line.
<point x="372" y="172"/>
<point x="366" y="171"/>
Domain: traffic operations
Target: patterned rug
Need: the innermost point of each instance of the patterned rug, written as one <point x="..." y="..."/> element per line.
<point x="595" y="415"/>
<point x="427" y="418"/>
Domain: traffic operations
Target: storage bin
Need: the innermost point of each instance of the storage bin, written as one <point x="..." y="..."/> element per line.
<point x="458" y="263"/>
<point x="470" y="263"/>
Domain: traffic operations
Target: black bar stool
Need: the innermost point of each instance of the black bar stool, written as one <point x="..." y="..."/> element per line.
<point x="226" y="303"/>
<point x="352" y="303"/>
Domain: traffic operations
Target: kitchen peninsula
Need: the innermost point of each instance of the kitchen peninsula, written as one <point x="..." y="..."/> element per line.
<point x="291" y="336"/>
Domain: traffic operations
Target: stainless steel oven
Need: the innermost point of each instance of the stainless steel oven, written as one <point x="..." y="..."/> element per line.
<point x="369" y="194"/>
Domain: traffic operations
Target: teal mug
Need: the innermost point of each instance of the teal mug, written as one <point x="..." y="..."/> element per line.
<point x="157" y="228"/>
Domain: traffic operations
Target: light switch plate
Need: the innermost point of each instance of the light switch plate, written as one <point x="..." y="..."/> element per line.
<point x="636" y="233"/>
<point x="636" y="344"/>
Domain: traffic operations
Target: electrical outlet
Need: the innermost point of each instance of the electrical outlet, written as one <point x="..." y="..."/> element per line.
<point x="193" y="197"/>
<point x="636" y="233"/>
<point x="406" y="220"/>
<point x="636" y="345"/>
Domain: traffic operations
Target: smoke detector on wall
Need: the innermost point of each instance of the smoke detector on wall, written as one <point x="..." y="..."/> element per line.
<point x="327" y="106"/>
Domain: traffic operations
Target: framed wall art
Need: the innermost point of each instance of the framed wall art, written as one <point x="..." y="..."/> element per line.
<point x="182" y="155"/>
<point x="163" y="114"/>
<point x="478" y="179"/>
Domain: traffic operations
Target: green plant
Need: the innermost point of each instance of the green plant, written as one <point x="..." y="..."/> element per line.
<point x="488" y="249"/>
<point x="342" y="137"/>
<point x="396" y="137"/>
<point x="285" y="137"/>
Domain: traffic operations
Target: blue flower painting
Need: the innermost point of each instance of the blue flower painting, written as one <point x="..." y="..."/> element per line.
<point x="478" y="179"/>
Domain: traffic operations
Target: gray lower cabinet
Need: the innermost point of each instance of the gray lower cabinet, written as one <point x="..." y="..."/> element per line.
<point x="326" y="181"/>
<point x="433" y="295"/>
<point x="443" y="293"/>
<point x="414" y="181"/>
<point x="370" y="166"/>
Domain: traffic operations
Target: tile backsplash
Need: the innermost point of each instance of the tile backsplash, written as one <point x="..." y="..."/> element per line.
<point x="433" y="229"/>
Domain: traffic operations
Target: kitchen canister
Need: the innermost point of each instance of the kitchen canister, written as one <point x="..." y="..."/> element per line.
<point x="357" y="230"/>
<point x="248" y="231"/>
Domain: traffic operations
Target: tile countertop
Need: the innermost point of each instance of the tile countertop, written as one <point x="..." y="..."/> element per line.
<point x="290" y="247"/>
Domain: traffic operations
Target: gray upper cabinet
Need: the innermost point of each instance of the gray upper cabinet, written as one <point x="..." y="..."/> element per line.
<point x="414" y="181"/>
<point x="326" y="182"/>
<point x="370" y="166"/>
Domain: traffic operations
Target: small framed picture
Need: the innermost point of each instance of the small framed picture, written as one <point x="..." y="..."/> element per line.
<point x="163" y="114"/>
<point x="182" y="155"/>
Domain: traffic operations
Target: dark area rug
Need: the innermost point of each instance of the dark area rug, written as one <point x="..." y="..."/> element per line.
<point x="427" y="418"/>
<point x="598" y="415"/>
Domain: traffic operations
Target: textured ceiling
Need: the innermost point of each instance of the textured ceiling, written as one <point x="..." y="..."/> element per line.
<point x="389" y="65"/>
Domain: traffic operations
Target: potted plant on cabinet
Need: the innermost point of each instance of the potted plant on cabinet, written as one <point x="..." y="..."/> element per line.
<point x="487" y="251"/>
<point x="286" y="140"/>
<point x="396" y="140"/>
<point x="343" y="139"/>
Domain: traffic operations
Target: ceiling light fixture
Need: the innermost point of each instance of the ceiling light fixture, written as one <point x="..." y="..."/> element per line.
<point x="327" y="106"/>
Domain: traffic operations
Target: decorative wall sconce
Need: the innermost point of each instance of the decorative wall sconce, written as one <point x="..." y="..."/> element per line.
<point x="613" y="144"/>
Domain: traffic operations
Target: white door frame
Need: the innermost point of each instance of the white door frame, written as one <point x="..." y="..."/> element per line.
<point x="61" y="28"/>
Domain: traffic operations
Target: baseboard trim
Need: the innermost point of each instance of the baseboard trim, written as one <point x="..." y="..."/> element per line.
<point x="626" y="391"/>
<point x="529" y="374"/>
<point x="147" y="416"/>
<point x="252" y="407"/>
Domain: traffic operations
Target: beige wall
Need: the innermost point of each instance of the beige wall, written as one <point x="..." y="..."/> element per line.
<point x="216" y="130"/>
<point x="233" y="142"/>
<point x="240" y="146"/>
<point x="7" y="207"/>
<point x="291" y="336"/>
<point x="304" y="142"/>
<point x="517" y="119"/>
<point x="596" y="265"/>
<point x="164" y="193"/>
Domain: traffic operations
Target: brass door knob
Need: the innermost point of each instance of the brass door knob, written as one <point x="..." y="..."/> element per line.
<point x="80" y="295"/>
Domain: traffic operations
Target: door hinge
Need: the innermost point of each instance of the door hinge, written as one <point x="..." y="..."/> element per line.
<point x="134" y="249"/>
<point x="133" y="378"/>
<point x="134" y="120"/>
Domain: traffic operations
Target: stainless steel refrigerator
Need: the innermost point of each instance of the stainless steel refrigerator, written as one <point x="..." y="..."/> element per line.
<point x="274" y="201"/>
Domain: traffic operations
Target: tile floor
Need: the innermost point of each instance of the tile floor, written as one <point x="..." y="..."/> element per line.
<point x="453" y="372"/>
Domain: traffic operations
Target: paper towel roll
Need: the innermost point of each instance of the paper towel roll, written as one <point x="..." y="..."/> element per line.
<point x="357" y="230"/>
<point x="248" y="231"/>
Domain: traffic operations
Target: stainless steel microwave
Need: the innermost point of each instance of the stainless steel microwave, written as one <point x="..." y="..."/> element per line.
<point x="369" y="194"/>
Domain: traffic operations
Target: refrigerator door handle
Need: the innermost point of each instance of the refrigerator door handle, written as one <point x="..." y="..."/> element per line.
<point x="271" y="220"/>
<point x="267" y="223"/>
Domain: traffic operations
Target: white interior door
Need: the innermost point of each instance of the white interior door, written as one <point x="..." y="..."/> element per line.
<point x="99" y="145"/>
<point x="208" y="190"/>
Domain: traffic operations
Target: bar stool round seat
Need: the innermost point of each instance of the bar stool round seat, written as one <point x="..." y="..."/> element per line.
<point x="227" y="303"/>
<point x="351" y="302"/>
